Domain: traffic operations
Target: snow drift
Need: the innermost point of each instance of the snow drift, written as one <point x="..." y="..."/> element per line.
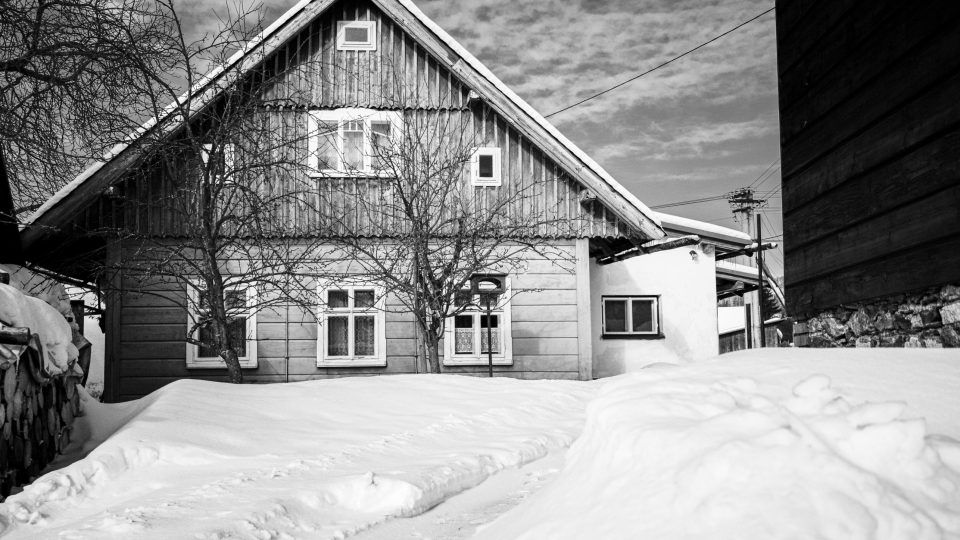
<point x="722" y="451"/>
<point x="318" y="459"/>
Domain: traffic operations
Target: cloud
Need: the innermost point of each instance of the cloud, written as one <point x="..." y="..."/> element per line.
<point x="708" y="140"/>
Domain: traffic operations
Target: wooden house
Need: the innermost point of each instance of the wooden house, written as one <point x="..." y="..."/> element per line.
<point x="598" y="319"/>
<point x="870" y="123"/>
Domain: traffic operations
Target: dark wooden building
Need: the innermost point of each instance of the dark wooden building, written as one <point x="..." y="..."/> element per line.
<point x="870" y="132"/>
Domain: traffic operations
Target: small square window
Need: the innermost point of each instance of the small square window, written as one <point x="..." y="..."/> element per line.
<point x="631" y="316"/>
<point x="485" y="167"/>
<point x="356" y="35"/>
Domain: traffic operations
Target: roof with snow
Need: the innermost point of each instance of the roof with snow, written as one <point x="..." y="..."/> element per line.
<point x="723" y="236"/>
<point x="90" y="183"/>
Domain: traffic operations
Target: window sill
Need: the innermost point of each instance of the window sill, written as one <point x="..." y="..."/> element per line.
<point x="216" y="363"/>
<point x="362" y="361"/>
<point x="349" y="174"/>
<point x="632" y="336"/>
<point x="477" y="361"/>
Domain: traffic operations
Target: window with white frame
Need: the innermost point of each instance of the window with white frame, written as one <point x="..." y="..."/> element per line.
<point x="485" y="167"/>
<point x="631" y="316"/>
<point x="351" y="141"/>
<point x="352" y="326"/>
<point x="465" y="335"/>
<point x="241" y="325"/>
<point x="356" y="35"/>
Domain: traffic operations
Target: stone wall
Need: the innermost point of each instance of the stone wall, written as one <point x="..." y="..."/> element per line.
<point x="930" y="318"/>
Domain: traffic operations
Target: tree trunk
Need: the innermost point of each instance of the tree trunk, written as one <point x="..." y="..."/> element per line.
<point x="432" y="346"/>
<point x="233" y="366"/>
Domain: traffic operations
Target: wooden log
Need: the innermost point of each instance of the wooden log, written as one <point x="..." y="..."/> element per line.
<point x="9" y="384"/>
<point x="14" y="336"/>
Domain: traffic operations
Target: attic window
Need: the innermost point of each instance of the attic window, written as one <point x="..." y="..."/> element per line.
<point x="485" y="167"/>
<point x="356" y="35"/>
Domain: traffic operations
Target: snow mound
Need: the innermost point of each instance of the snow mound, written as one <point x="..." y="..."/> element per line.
<point x="683" y="454"/>
<point x="317" y="459"/>
<point x="18" y="309"/>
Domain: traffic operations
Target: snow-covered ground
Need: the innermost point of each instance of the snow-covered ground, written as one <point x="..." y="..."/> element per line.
<point x="760" y="444"/>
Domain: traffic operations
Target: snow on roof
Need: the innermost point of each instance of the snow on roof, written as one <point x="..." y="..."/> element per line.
<point x="703" y="229"/>
<point x="438" y="31"/>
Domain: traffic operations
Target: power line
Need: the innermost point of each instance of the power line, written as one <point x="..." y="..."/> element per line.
<point x="765" y="171"/>
<point x="691" y="201"/>
<point x="651" y="70"/>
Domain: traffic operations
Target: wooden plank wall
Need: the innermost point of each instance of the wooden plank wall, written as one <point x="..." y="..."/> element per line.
<point x="309" y="73"/>
<point x="150" y="326"/>
<point x="870" y="126"/>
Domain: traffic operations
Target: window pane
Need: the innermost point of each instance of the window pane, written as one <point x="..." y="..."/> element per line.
<point x="205" y="335"/>
<point x="327" y="147"/>
<point x="237" y="328"/>
<point x="615" y="316"/>
<point x="463" y="329"/>
<point x="336" y="299"/>
<point x="354" y="34"/>
<point x="486" y="166"/>
<point x="494" y="334"/>
<point x="363" y="299"/>
<point x="643" y="316"/>
<point x="363" y="335"/>
<point x="380" y="144"/>
<point x="353" y="145"/>
<point x="337" y="336"/>
<point x="235" y="299"/>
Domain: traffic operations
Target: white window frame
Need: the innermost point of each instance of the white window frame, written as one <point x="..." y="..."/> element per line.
<point x="369" y="45"/>
<point x="341" y="116"/>
<point x="655" y="332"/>
<point x="194" y="360"/>
<point x="504" y="357"/>
<point x="475" y="178"/>
<point x="379" y="358"/>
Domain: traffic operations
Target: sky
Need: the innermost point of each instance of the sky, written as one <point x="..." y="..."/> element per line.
<point x="703" y="126"/>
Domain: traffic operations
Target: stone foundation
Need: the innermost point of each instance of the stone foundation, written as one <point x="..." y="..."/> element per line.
<point x="930" y="318"/>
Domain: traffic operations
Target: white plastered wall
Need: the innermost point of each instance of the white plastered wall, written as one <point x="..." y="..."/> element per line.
<point x="685" y="280"/>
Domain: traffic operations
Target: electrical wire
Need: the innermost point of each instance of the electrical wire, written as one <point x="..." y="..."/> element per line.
<point x="651" y="70"/>
<point x="691" y="201"/>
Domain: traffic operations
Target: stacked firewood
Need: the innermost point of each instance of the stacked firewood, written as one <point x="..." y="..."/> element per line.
<point x="37" y="409"/>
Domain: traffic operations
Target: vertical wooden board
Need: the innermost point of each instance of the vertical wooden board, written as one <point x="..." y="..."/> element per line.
<point x="114" y="305"/>
<point x="584" y="322"/>
<point x="325" y="37"/>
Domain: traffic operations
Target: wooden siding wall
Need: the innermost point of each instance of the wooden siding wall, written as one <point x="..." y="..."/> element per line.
<point x="151" y="323"/>
<point x="870" y="127"/>
<point x="309" y="73"/>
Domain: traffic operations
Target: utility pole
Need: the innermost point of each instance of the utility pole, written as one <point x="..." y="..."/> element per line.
<point x="745" y="204"/>
<point x="763" y="333"/>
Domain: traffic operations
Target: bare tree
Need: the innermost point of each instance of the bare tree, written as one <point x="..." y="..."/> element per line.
<point x="415" y="223"/>
<point x="66" y="68"/>
<point x="210" y="210"/>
